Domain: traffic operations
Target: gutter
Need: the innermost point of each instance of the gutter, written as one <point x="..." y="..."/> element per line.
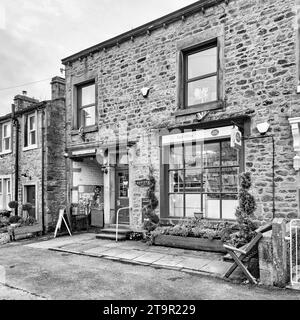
<point x="16" y="124"/>
<point x="181" y="14"/>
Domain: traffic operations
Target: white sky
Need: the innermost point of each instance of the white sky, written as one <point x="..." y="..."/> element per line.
<point x="36" y="34"/>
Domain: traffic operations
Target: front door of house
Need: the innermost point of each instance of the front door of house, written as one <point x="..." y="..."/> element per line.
<point x="122" y="196"/>
<point x="30" y="197"/>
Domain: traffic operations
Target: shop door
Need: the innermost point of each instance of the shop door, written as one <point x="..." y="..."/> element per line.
<point x="122" y="197"/>
<point x="30" y="197"/>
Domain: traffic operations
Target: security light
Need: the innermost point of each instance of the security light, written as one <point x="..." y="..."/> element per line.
<point x="263" y="127"/>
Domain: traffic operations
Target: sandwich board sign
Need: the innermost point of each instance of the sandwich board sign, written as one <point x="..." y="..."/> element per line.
<point x="60" y="220"/>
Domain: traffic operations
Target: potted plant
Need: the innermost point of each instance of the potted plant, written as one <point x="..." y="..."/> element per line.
<point x="198" y="215"/>
<point x="26" y="207"/>
<point x="13" y="205"/>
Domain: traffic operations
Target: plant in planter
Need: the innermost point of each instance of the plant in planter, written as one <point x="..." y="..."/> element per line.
<point x="245" y="214"/>
<point x="26" y="207"/>
<point x="13" y="205"/>
<point x="151" y="218"/>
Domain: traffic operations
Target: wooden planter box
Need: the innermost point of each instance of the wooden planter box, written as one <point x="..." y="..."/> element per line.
<point x="190" y="243"/>
<point x="26" y="229"/>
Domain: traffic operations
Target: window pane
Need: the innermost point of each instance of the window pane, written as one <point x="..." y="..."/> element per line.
<point x="32" y="137"/>
<point x="88" y="117"/>
<point x="229" y="205"/>
<point x="230" y="180"/>
<point x="1" y="186"/>
<point x="202" y="63"/>
<point x="202" y="91"/>
<point x="176" y="181"/>
<point x="31" y="123"/>
<point x="192" y="155"/>
<point x="212" y="180"/>
<point x="176" y="205"/>
<point x="193" y="180"/>
<point x="211" y="155"/>
<point x="25" y="131"/>
<point x="176" y="157"/>
<point x="6" y="143"/>
<point x="88" y="95"/>
<point x="192" y="204"/>
<point x="6" y="130"/>
<point x="212" y="205"/>
<point x="229" y="155"/>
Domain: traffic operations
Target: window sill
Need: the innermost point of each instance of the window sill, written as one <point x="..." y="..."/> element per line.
<point x="89" y="129"/>
<point x="203" y="107"/>
<point x="30" y="147"/>
<point x="5" y="152"/>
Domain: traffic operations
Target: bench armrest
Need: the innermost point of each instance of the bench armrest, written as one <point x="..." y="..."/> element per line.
<point x="234" y="249"/>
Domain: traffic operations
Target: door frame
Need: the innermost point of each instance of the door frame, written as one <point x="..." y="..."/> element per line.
<point x="32" y="184"/>
<point x="117" y="170"/>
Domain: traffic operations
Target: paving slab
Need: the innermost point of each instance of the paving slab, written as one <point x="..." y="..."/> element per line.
<point x="169" y="260"/>
<point x="194" y="263"/>
<point x="131" y="254"/>
<point x="219" y="267"/>
<point x="114" y="252"/>
<point x="149" y="257"/>
<point x="96" y="251"/>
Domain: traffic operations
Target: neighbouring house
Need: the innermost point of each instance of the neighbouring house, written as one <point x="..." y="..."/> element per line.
<point x="199" y="95"/>
<point x="32" y="162"/>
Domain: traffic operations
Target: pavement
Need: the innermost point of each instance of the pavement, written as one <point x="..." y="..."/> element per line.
<point x="139" y="253"/>
<point x="29" y="271"/>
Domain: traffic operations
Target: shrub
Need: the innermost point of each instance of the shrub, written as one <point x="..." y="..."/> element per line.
<point x="5" y="213"/>
<point x="244" y="214"/>
<point x="29" y="221"/>
<point x="136" y="236"/>
<point x="27" y="206"/>
<point x="14" y="219"/>
<point x="13" y="204"/>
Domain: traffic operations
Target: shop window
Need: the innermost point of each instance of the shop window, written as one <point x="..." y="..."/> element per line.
<point x="5" y="192"/>
<point x="202" y="178"/>
<point x="201" y="75"/>
<point x="86" y="103"/>
<point x="30" y="130"/>
<point x="5" y="137"/>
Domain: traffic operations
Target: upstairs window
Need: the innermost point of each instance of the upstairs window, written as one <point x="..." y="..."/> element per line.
<point x="6" y="137"/>
<point x="201" y="75"/>
<point x="86" y="113"/>
<point x="30" y="130"/>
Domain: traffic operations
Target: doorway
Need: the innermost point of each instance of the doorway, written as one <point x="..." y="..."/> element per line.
<point x="122" y="194"/>
<point x="30" y="197"/>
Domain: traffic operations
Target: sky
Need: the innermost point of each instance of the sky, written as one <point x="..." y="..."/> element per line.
<point x="36" y="34"/>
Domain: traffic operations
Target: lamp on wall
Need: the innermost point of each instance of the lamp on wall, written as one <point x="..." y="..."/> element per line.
<point x="26" y="175"/>
<point x="263" y="127"/>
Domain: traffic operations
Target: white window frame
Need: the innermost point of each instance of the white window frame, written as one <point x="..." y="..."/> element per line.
<point x="6" y="151"/>
<point x="30" y="146"/>
<point x="4" y="195"/>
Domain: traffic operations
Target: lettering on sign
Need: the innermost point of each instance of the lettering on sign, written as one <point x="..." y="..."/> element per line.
<point x="143" y="183"/>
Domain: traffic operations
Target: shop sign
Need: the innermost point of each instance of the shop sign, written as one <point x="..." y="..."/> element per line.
<point x="236" y="138"/>
<point x="143" y="183"/>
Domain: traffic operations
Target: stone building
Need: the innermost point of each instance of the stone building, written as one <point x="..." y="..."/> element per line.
<point x="175" y="95"/>
<point x="32" y="162"/>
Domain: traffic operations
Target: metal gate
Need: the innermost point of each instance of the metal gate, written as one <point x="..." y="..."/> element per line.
<point x="295" y="252"/>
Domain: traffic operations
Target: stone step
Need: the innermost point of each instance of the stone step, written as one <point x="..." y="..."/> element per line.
<point x="110" y="236"/>
<point x="121" y="226"/>
<point x="113" y="231"/>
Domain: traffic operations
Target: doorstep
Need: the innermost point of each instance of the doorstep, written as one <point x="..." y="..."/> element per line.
<point x="139" y="253"/>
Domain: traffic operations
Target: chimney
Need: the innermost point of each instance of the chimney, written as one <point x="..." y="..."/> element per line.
<point x="22" y="101"/>
<point x="58" y="88"/>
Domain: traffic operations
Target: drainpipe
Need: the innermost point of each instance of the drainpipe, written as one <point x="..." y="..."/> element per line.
<point x="43" y="171"/>
<point x="16" y="124"/>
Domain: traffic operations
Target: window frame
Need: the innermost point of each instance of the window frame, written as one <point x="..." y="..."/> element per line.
<point x="4" y="150"/>
<point x="28" y="131"/>
<point x="80" y="107"/>
<point x="189" y="52"/>
<point x="5" y="192"/>
<point x="192" y="43"/>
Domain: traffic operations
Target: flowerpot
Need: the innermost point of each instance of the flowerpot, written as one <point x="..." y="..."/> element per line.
<point x="198" y="215"/>
<point x="191" y="243"/>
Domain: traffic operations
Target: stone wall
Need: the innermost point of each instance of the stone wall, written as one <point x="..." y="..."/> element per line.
<point x="260" y="80"/>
